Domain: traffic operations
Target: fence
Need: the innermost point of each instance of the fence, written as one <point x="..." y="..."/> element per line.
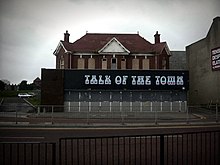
<point x="157" y="112"/>
<point x="27" y="153"/>
<point x="186" y="148"/>
<point x="164" y="149"/>
<point x="125" y="106"/>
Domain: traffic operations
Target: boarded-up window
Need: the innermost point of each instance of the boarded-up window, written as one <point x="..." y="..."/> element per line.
<point x="91" y="63"/>
<point x="135" y="64"/>
<point x="145" y="64"/>
<point x="123" y="63"/>
<point x="81" y="63"/>
<point x="104" y="63"/>
<point x="62" y="62"/>
<point x="155" y="62"/>
<point x="164" y="63"/>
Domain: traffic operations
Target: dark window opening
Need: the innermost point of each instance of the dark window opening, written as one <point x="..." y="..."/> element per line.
<point x="113" y="60"/>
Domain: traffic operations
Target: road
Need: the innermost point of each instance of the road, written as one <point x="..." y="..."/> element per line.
<point x="15" y="104"/>
<point x="24" y="143"/>
<point x="53" y="134"/>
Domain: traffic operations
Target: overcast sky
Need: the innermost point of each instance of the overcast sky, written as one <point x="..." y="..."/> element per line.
<point x="30" y="30"/>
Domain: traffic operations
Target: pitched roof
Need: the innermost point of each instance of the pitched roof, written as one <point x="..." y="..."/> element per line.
<point x="159" y="47"/>
<point x="94" y="42"/>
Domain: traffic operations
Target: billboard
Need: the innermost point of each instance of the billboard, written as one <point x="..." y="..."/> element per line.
<point x="215" y="59"/>
<point x="125" y="80"/>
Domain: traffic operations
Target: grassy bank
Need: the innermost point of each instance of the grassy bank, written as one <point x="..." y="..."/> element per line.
<point x="33" y="100"/>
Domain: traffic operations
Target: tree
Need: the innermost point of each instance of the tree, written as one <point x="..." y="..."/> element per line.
<point x="23" y="85"/>
<point x="2" y="85"/>
<point x="6" y="82"/>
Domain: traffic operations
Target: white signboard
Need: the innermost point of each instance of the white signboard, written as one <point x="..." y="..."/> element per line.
<point x="215" y="58"/>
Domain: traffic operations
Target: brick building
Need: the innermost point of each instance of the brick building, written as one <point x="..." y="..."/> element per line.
<point x="113" y="72"/>
<point x="112" y="51"/>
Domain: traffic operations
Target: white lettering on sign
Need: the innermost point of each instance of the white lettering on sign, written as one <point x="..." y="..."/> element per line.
<point x="118" y="80"/>
<point x="171" y="80"/>
<point x="163" y="80"/>
<point x="141" y="80"/>
<point x="147" y="80"/>
<point x="93" y="80"/>
<point x="108" y="80"/>
<point x="100" y="80"/>
<point x="215" y="53"/>
<point x="216" y="57"/>
<point x="135" y="80"/>
<point x="124" y="80"/>
<point x="157" y="80"/>
<point x="179" y="80"/>
<point x="87" y="79"/>
<point x="121" y="80"/>
<point x="217" y="62"/>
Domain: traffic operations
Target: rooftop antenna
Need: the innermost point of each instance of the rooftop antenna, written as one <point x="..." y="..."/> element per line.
<point x="86" y="31"/>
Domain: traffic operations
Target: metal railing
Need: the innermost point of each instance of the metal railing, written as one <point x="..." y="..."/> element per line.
<point x="159" y="113"/>
<point x="17" y="153"/>
<point x="135" y="114"/>
<point x="187" y="148"/>
<point x="164" y="149"/>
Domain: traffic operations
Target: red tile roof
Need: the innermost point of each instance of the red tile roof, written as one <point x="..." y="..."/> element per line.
<point x="158" y="48"/>
<point x="93" y="42"/>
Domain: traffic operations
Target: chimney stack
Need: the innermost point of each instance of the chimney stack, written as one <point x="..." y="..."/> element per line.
<point x="66" y="36"/>
<point x="157" y="38"/>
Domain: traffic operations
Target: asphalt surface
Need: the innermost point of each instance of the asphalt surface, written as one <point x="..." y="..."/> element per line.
<point x="20" y="128"/>
<point x="16" y="104"/>
<point x="19" y="124"/>
<point x="53" y="134"/>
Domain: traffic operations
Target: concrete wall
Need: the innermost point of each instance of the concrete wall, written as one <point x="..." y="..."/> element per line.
<point x="178" y="60"/>
<point x="204" y="83"/>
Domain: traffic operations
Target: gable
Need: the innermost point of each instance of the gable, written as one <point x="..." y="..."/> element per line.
<point x="59" y="47"/>
<point x="114" y="46"/>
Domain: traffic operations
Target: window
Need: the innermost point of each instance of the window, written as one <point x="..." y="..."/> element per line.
<point x="61" y="62"/>
<point x="164" y="63"/>
<point x="104" y="63"/>
<point x="135" y="64"/>
<point x="155" y="61"/>
<point x="91" y="63"/>
<point x="113" y="60"/>
<point x="114" y="63"/>
<point x="123" y="63"/>
<point x="145" y="64"/>
<point x="81" y="63"/>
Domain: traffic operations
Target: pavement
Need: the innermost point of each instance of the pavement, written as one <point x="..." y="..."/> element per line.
<point x="68" y="120"/>
<point x="17" y="112"/>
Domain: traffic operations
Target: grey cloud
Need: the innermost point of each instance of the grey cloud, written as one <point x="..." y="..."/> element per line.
<point x="31" y="29"/>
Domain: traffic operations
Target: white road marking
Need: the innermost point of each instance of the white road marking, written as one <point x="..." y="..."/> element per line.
<point x="22" y="137"/>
